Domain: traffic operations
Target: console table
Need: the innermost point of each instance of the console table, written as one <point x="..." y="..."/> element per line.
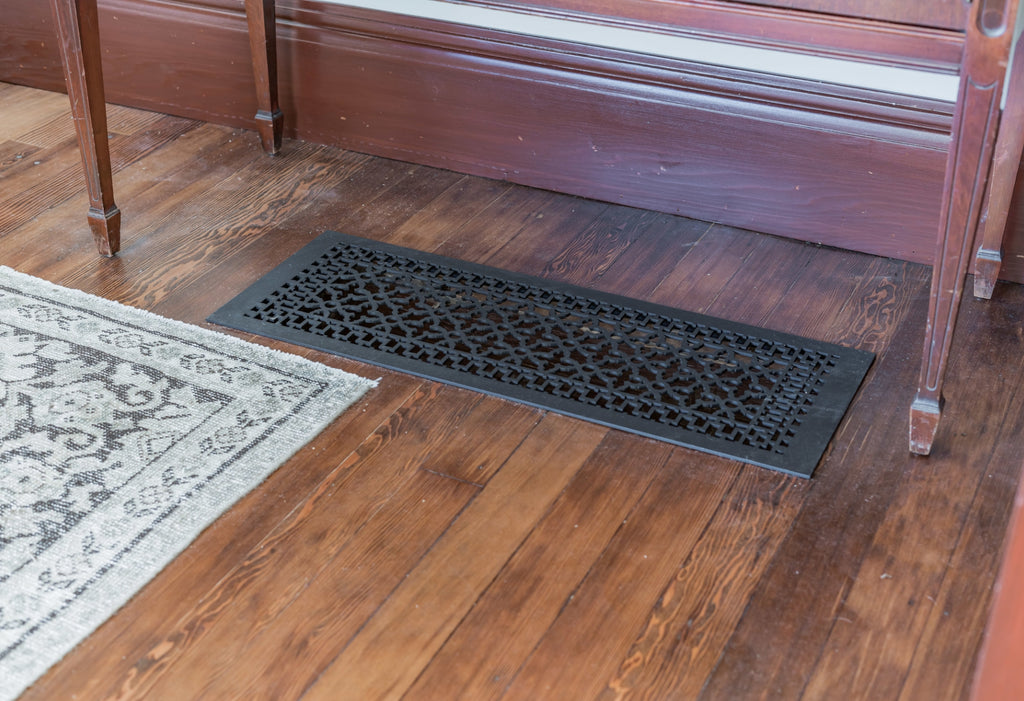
<point x="78" y="34"/>
<point x="983" y="155"/>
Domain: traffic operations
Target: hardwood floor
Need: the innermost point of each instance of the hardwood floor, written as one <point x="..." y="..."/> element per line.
<point x="435" y="543"/>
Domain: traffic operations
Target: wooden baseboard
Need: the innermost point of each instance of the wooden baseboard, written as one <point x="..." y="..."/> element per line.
<point x="839" y="166"/>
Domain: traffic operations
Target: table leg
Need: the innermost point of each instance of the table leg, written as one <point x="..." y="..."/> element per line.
<point x="1005" y="163"/>
<point x="78" y="38"/>
<point x="989" y="33"/>
<point x="260" y="15"/>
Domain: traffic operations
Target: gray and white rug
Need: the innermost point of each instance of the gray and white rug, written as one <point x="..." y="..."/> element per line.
<point x="122" y="436"/>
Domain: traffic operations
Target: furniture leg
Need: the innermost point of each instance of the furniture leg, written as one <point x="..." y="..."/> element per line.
<point x="975" y="119"/>
<point x="78" y="37"/>
<point x="1005" y="163"/>
<point x="260" y="16"/>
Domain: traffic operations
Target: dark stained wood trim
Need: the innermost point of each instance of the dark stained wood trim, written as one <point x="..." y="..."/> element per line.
<point x="655" y="133"/>
<point x="778" y="27"/>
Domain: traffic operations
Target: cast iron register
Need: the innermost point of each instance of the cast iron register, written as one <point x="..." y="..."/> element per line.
<point x="754" y="395"/>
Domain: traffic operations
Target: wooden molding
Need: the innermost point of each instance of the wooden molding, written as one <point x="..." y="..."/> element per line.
<point x="830" y="33"/>
<point x="941" y="14"/>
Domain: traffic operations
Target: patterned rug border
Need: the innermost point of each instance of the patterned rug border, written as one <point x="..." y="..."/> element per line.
<point x="330" y="392"/>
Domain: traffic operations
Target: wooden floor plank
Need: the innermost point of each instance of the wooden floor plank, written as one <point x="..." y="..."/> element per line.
<point x="944" y="661"/>
<point x="62" y="176"/>
<point x="532" y="588"/>
<point x="899" y="581"/>
<point x="707" y="268"/>
<point x="342" y="596"/>
<point x="505" y="217"/>
<point x="456" y="208"/>
<point x="797" y="601"/>
<point x="111" y="653"/>
<point x="650" y="260"/>
<point x="877" y="306"/>
<point x="947" y="647"/>
<point x="360" y="184"/>
<point x="765" y="286"/>
<point x="696" y="614"/>
<point x="180" y="244"/>
<point x="25" y="109"/>
<point x="12" y="153"/>
<point x="377" y="200"/>
<point x="398" y="642"/>
<point x="587" y="253"/>
<point x="613" y="603"/>
<point x="780" y="284"/>
<point x="478" y="465"/>
<point x="33" y="185"/>
<point x="353" y="586"/>
<point x="376" y="560"/>
<point x="276" y="570"/>
<point x="145" y="188"/>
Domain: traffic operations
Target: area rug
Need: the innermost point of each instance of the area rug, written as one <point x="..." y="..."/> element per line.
<point x="122" y="436"/>
<point x="748" y="393"/>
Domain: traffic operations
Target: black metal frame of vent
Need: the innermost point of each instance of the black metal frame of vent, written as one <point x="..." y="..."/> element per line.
<point x="730" y="389"/>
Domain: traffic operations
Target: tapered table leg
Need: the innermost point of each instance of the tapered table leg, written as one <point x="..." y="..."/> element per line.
<point x="989" y="33"/>
<point x="1005" y="163"/>
<point x="78" y="38"/>
<point x="260" y="15"/>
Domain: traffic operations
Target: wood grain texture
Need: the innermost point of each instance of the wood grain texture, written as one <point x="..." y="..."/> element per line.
<point x="411" y="504"/>
<point x="943" y="652"/>
<point x="63" y="175"/>
<point x="698" y="611"/>
<point x="613" y="603"/>
<point x="818" y="560"/>
<point x="267" y="573"/>
<point x="415" y="620"/>
<point x="453" y="543"/>
<point x="736" y="149"/>
<point x="531" y="590"/>
<point x="181" y="588"/>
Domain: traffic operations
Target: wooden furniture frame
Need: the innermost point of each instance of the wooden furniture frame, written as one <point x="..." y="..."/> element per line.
<point x="78" y="32"/>
<point x="980" y="171"/>
<point x="976" y="124"/>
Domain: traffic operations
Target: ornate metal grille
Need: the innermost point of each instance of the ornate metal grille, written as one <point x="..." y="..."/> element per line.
<point x="701" y="382"/>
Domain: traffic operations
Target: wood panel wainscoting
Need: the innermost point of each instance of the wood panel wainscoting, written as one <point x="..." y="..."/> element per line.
<point x="841" y="165"/>
<point x="883" y="81"/>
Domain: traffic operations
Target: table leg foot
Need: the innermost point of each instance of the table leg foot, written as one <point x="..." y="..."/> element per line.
<point x="986" y="272"/>
<point x="260" y="17"/>
<point x="924" y="423"/>
<point x="106" y="230"/>
<point x="270" y="126"/>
